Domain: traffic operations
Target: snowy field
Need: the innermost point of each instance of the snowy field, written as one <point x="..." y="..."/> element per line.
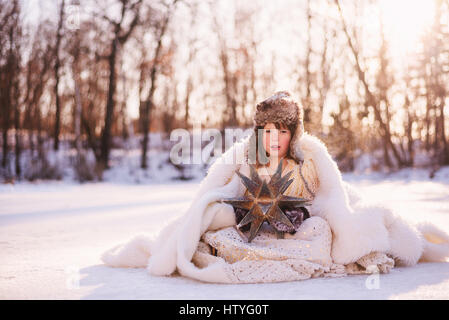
<point x="52" y="236"/>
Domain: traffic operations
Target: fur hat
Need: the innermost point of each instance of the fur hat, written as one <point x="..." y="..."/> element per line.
<point x="281" y="107"/>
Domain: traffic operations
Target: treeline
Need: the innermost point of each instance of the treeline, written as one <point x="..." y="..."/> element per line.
<point x="93" y="72"/>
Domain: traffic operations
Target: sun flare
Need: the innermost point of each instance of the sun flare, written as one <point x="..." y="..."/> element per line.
<point x="406" y="21"/>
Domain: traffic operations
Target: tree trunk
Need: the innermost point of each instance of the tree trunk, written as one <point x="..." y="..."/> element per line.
<point x="187" y="102"/>
<point x="6" y="123"/>
<point x="17" y="142"/>
<point x="106" y="136"/>
<point x="443" y="134"/>
<point x="411" y="151"/>
<point x="427" y="121"/>
<point x="308" y="100"/>
<point x="145" y="128"/>
<point x="77" y="113"/>
<point x="57" y="78"/>
<point x="148" y="104"/>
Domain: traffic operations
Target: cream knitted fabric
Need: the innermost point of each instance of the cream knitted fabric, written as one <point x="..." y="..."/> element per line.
<point x="304" y="255"/>
<point x="300" y="256"/>
<point x="374" y="262"/>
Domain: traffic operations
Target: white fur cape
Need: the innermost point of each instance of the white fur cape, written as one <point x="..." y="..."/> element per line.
<point x="358" y="225"/>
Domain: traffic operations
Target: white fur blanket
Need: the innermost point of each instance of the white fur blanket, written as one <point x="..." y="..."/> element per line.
<point x="359" y="227"/>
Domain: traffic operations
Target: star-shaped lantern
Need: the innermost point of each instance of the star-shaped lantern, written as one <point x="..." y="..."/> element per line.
<point x="265" y="201"/>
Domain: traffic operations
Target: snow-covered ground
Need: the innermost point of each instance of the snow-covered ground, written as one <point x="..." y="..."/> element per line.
<point x="52" y="236"/>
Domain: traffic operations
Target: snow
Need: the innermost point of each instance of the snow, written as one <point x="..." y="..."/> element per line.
<point x="52" y="235"/>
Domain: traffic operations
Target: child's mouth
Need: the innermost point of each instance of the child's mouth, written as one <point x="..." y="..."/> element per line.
<point x="275" y="147"/>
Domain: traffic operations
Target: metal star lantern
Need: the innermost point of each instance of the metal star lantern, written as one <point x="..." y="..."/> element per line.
<point x="265" y="201"/>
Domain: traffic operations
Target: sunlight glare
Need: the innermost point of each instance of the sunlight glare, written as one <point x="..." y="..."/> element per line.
<point x="405" y="22"/>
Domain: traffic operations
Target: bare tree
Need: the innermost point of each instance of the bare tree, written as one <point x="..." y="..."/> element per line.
<point x="307" y="99"/>
<point x="230" y="117"/>
<point x="120" y="34"/>
<point x="56" y="67"/>
<point x="193" y="50"/>
<point x="430" y="77"/>
<point x="10" y="57"/>
<point x="237" y="57"/>
<point x="371" y="100"/>
<point x="160" y="28"/>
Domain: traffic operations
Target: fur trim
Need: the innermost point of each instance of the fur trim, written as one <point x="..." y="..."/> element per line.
<point x="358" y="225"/>
<point x="134" y="254"/>
<point x="280" y="107"/>
<point x="436" y="243"/>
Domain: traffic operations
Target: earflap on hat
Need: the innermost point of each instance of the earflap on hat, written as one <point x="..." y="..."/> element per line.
<point x="295" y="144"/>
<point x="255" y="151"/>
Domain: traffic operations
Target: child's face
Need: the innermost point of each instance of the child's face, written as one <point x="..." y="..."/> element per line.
<point x="276" y="141"/>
